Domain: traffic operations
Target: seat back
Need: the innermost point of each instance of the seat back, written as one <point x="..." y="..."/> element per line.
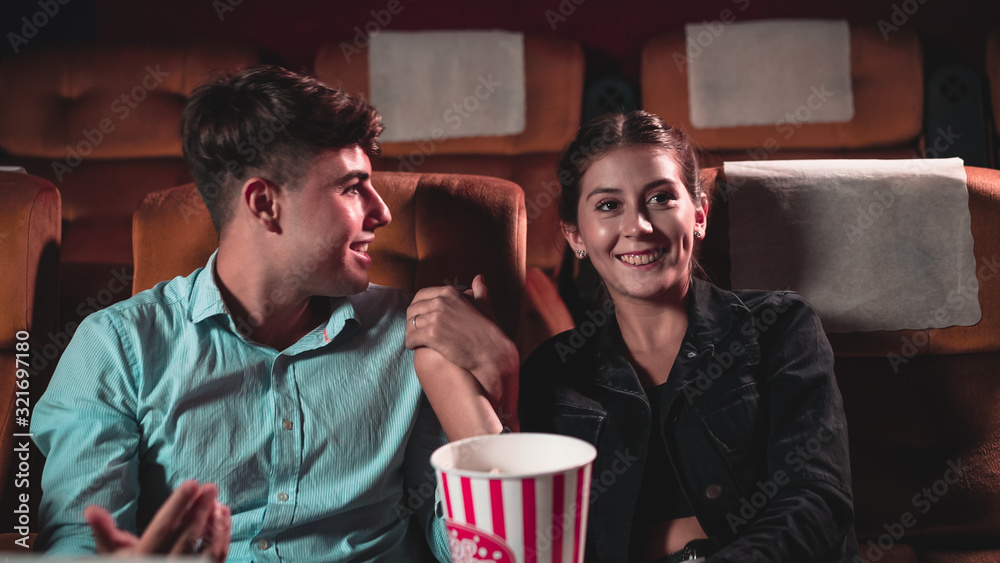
<point x="445" y="229"/>
<point x="29" y="251"/>
<point x="102" y="123"/>
<point x="919" y="402"/>
<point x="887" y="87"/>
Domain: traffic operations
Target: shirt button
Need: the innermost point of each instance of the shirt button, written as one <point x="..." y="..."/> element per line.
<point x="286" y="424"/>
<point x="282" y="496"/>
<point x="263" y="544"/>
<point x="713" y="491"/>
<point x="692" y="354"/>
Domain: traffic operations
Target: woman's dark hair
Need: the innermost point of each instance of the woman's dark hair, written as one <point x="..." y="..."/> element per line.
<point x="612" y="131"/>
<point x="271" y="122"/>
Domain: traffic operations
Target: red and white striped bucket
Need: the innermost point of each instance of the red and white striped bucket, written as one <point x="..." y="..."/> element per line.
<point x="532" y="507"/>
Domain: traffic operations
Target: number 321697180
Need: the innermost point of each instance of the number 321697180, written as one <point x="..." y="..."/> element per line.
<point x="23" y="403"/>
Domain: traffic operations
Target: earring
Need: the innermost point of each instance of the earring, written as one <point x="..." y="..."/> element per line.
<point x="698" y="235"/>
<point x="581" y="254"/>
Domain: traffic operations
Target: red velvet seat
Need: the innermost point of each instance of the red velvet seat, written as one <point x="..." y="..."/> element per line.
<point x="887" y="78"/>
<point x="29" y="251"/>
<point x="102" y="122"/>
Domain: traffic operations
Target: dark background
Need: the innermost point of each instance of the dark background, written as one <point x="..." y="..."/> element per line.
<point x="953" y="35"/>
<point x="612" y="33"/>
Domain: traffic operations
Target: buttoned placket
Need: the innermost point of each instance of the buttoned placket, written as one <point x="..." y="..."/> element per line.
<point x="286" y="459"/>
<point x="689" y="360"/>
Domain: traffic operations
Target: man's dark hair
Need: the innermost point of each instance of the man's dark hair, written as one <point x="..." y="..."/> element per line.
<point x="270" y="122"/>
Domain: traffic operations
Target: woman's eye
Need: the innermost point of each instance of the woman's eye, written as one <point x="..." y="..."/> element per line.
<point x="661" y="198"/>
<point x="607" y="205"/>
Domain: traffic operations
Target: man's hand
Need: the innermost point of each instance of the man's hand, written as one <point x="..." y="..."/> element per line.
<point x="190" y="521"/>
<point x="462" y="328"/>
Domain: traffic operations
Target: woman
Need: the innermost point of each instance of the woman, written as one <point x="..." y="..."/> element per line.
<point x="718" y="423"/>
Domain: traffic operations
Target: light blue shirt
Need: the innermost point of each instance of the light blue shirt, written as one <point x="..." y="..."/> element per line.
<point x="320" y="450"/>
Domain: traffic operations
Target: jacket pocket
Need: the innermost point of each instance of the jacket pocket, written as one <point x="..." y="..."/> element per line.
<point x="737" y="420"/>
<point x="582" y="423"/>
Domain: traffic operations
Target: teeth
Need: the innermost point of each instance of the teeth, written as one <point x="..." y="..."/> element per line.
<point x="641" y="259"/>
<point x="362" y="248"/>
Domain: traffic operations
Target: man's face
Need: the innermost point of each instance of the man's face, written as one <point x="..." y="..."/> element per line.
<point x="329" y="222"/>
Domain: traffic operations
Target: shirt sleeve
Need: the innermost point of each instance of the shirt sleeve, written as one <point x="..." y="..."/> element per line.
<point x="811" y="514"/>
<point x="85" y="424"/>
<point x="421" y="498"/>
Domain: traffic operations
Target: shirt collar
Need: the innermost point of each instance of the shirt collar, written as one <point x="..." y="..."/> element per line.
<point x="206" y="299"/>
<point x="206" y="302"/>
<point x="345" y="320"/>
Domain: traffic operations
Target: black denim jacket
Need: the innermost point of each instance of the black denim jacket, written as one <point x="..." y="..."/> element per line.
<point x="756" y="435"/>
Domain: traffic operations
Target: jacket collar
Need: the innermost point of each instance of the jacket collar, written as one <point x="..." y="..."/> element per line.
<point x="713" y="314"/>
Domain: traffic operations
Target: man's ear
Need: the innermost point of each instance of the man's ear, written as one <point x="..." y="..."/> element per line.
<point x="260" y="197"/>
<point x="572" y="234"/>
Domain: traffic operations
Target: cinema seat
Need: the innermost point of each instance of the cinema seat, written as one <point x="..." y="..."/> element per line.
<point x="887" y="78"/>
<point x="29" y="252"/>
<point x="445" y="229"/>
<point x="910" y="419"/>
<point x="554" y="86"/>
<point x="102" y="122"/>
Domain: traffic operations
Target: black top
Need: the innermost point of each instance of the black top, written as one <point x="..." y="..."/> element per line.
<point x="660" y="496"/>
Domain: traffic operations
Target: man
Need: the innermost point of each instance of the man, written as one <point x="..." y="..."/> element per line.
<point x="276" y="372"/>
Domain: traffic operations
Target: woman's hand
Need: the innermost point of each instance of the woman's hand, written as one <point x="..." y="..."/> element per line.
<point x="461" y="328"/>
<point x="190" y="521"/>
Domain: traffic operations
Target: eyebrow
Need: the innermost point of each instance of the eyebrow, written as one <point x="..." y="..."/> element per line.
<point x="598" y="191"/>
<point x="353" y="175"/>
<point x="652" y="185"/>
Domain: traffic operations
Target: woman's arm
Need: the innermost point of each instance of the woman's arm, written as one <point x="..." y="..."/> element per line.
<point x="466" y="364"/>
<point x="458" y="401"/>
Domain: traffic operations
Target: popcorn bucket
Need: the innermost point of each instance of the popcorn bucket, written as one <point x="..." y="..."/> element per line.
<point x="515" y="497"/>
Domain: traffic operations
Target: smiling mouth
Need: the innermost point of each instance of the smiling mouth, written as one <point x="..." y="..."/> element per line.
<point x="641" y="259"/>
<point x="361" y="248"/>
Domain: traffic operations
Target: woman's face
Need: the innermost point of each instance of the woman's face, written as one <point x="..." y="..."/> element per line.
<point x="637" y="222"/>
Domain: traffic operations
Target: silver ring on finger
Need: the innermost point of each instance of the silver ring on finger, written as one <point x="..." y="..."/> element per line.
<point x="415" y="321"/>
